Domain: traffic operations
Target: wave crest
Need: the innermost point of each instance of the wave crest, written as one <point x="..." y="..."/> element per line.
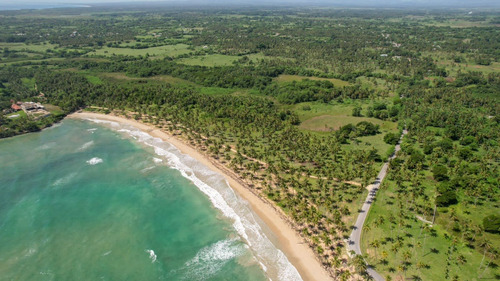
<point x="94" y="161"/>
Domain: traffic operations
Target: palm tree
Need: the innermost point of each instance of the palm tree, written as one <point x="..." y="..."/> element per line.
<point x="485" y="244"/>
<point x="492" y="256"/>
<point x="375" y="244"/>
<point x="359" y="263"/>
<point x="345" y="275"/>
<point x="402" y="268"/>
<point x="384" y="257"/>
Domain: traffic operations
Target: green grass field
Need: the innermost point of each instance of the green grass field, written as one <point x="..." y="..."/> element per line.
<point x="458" y="23"/>
<point x="162" y="51"/>
<point x="17" y="114"/>
<point x="322" y="118"/>
<point x="41" y="48"/>
<point x="217" y="59"/>
<point x="325" y="123"/>
<point x="54" y="109"/>
<point x="32" y="61"/>
<point x="290" y="78"/>
<point x="209" y="60"/>
<point x="444" y="59"/>
<point x="417" y="245"/>
<point x="94" y="79"/>
<point x="161" y="78"/>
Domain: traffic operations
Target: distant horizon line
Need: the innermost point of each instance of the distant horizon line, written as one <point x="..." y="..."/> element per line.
<point x="394" y="4"/>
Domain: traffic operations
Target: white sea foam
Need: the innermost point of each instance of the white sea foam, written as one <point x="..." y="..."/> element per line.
<point x="30" y="252"/>
<point x="216" y="188"/>
<point x="99" y="121"/>
<point x="211" y="259"/>
<point x="85" y="146"/>
<point x="91" y="130"/>
<point x="94" y="161"/>
<point x="152" y="255"/>
<point x="147" y="169"/>
<point x="157" y="160"/>
<point x="65" y="180"/>
<point x="46" y="146"/>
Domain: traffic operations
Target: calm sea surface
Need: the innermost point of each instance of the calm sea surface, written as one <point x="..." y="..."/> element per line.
<point x="102" y="201"/>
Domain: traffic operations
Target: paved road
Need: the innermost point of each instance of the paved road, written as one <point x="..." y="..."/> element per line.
<point x="353" y="244"/>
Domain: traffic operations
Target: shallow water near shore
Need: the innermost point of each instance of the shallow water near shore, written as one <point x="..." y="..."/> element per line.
<point x="101" y="200"/>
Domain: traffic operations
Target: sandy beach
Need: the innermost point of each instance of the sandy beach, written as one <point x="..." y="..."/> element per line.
<point x="294" y="247"/>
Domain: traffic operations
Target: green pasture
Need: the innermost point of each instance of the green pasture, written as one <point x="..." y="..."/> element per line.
<point x="162" y="51"/>
<point x="425" y="250"/>
<point x="290" y="78"/>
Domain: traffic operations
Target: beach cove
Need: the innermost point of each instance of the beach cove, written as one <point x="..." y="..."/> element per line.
<point x="292" y="245"/>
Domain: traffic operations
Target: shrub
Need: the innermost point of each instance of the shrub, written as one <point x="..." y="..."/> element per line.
<point x="492" y="224"/>
<point x="366" y="128"/>
<point x="465" y="153"/>
<point x="356" y="111"/>
<point x="440" y="173"/>
<point x="391" y="138"/>
<point x="446" y="199"/>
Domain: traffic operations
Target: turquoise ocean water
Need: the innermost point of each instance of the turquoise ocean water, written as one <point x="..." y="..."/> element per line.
<point x="96" y="200"/>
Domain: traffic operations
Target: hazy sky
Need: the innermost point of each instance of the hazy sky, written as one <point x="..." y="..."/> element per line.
<point x="451" y="3"/>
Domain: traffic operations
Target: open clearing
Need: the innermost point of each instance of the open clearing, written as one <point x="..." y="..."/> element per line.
<point x="28" y="47"/>
<point x="325" y="123"/>
<point x="217" y="59"/>
<point x="162" y="51"/>
<point x="290" y="78"/>
<point x="163" y="78"/>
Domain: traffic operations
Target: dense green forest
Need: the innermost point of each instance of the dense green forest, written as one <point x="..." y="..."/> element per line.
<point x="305" y="105"/>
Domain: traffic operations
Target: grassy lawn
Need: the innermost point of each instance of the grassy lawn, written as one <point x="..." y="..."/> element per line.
<point x="290" y="78"/>
<point x="31" y="61"/>
<point x="430" y="247"/>
<point x="325" y="123"/>
<point x="162" y="51"/>
<point x="17" y="114"/>
<point x="210" y="60"/>
<point x="319" y="109"/>
<point x="216" y="91"/>
<point x="161" y="78"/>
<point x="94" y="79"/>
<point x="29" y="82"/>
<point x="458" y="23"/>
<point x="323" y="117"/>
<point x="40" y="48"/>
<point x="444" y="59"/>
<point x="54" y="109"/>
<point x="217" y="59"/>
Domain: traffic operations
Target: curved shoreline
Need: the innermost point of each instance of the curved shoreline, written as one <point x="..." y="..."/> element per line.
<point x="291" y="243"/>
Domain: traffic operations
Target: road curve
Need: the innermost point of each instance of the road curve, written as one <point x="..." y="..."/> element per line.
<point x="354" y="241"/>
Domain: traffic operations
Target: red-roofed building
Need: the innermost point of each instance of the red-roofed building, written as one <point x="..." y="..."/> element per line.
<point x="15" y="107"/>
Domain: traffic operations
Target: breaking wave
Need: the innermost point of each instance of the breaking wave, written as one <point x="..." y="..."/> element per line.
<point x="94" y="161"/>
<point x="152" y="255"/>
<point x="86" y="145"/>
<point x="209" y="260"/>
<point x="65" y="180"/>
